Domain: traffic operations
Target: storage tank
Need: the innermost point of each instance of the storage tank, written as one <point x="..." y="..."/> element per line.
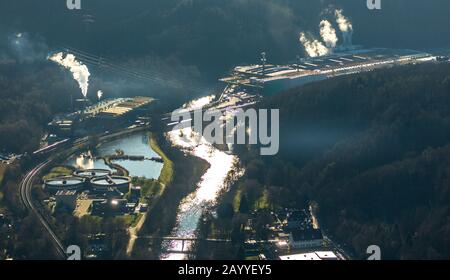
<point x="91" y="173"/>
<point x="102" y="184"/>
<point x="64" y="183"/>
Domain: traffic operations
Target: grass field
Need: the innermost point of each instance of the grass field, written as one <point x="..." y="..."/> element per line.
<point x="58" y="171"/>
<point x="166" y="175"/>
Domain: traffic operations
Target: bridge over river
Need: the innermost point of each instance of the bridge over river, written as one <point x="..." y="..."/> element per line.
<point x="184" y="242"/>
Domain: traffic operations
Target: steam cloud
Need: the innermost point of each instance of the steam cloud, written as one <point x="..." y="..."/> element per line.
<point x="99" y="94"/>
<point x="79" y="71"/>
<point x="313" y="47"/>
<point x="328" y="34"/>
<point x="345" y="26"/>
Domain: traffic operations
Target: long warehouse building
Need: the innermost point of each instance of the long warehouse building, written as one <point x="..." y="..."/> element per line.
<point x="268" y="79"/>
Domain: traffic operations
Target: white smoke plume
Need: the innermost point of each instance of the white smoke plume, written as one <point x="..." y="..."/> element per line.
<point x="328" y="34"/>
<point x="313" y="47"/>
<point x="79" y="71"/>
<point x="99" y="94"/>
<point x="345" y="26"/>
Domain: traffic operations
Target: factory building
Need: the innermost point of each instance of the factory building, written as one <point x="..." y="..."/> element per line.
<point x="311" y="256"/>
<point x="101" y="207"/>
<point x="100" y="117"/>
<point x="135" y="193"/>
<point x="64" y="183"/>
<point x="298" y="219"/>
<point x="66" y="199"/>
<point x="305" y="238"/>
<point x="268" y="79"/>
<point x="118" y="206"/>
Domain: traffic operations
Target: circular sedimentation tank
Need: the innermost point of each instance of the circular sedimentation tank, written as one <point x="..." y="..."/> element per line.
<point x="92" y="173"/>
<point x="102" y="184"/>
<point x="64" y="183"/>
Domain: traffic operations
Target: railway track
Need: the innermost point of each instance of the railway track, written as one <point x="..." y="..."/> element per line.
<point x="26" y="185"/>
<point x="25" y="188"/>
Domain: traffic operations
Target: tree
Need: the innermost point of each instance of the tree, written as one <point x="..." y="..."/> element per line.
<point x="243" y="206"/>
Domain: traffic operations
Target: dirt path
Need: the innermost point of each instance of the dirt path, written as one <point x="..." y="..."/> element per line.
<point x="133" y="231"/>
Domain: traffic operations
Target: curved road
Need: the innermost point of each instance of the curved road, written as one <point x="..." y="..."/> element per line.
<point x="25" y="195"/>
<point x="27" y="184"/>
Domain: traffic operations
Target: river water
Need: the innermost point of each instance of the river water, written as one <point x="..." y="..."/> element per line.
<point x="136" y="144"/>
<point x="211" y="183"/>
<point x="191" y="207"/>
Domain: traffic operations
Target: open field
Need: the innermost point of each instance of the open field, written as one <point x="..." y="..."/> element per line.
<point x="58" y="171"/>
<point x="167" y="171"/>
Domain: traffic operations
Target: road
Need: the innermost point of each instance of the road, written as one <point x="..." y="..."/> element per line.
<point x="25" y="188"/>
<point x="26" y="184"/>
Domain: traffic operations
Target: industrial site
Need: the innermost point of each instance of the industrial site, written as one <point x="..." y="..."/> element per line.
<point x="103" y="185"/>
<point x="104" y="193"/>
<point x="225" y="130"/>
<point x="99" y="117"/>
<point x="267" y="79"/>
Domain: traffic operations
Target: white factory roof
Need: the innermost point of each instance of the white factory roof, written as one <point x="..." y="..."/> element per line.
<point x="65" y="193"/>
<point x="311" y="256"/>
<point x="326" y="255"/>
<point x="301" y="257"/>
<point x="336" y="62"/>
<point x="118" y="106"/>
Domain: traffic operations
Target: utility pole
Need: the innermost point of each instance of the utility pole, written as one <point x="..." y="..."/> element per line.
<point x="263" y="60"/>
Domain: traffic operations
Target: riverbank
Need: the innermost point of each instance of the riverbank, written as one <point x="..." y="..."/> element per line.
<point x="151" y="189"/>
<point x="167" y="172"/>
<point x="180" y="180"/>
<point x="120" y="170"/>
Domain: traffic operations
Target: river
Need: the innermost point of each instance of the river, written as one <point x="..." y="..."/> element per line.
<point x="191" y="207"/>
<point x="211" y="183"/>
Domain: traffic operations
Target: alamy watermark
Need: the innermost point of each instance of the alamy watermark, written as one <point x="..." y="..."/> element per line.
<point x="374" y="252"/>
<point x="73" y="253"/>
<point x="73" y="4"/>
<point x="76" y="4"/>
<point x="239" y="127"/>
<point x="374" y="4"/>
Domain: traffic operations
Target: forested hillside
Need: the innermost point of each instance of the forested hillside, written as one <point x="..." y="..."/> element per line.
<point x="373" y="150"/>
<point x="191" y="42"/>
<point x="214" y="35"/>
<point x="28" y="98"/>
